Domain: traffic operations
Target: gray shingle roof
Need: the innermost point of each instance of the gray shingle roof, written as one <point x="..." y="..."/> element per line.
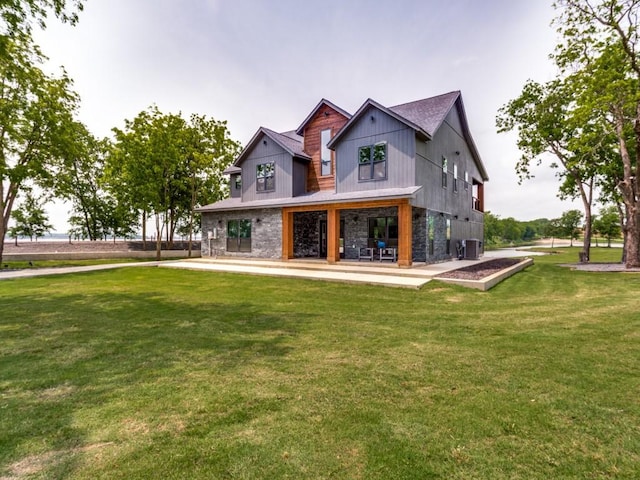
<point x="428" y="113"/>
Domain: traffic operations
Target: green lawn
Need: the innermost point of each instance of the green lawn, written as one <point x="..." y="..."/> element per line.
<point x="157" y="373"/>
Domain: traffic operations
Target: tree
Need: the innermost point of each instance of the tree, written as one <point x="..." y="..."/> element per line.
<point x="550" y="127"/>
<point x="570" y="222"/>
<point x="608" y="223"/>
<point x="168" y="166"/>
<point x="17" y="15"/>
<point x="492" y="228"/>
<point x="600" y="49"/>
<point x="36" y="114"/>
<point x="30" y="219"/>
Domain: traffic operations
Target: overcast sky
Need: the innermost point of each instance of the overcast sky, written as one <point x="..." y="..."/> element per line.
<point x="268" y="63"/>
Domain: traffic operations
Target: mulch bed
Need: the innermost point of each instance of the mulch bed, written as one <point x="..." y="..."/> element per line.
<point x="483" y="269"/>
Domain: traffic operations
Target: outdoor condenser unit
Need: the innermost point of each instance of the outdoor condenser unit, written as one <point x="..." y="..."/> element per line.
<point x="472" y="249"/>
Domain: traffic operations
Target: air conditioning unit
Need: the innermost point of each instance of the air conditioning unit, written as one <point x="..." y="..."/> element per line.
<point x="472" y="249"/>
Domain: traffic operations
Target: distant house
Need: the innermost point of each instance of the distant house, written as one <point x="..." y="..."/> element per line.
<point x="402" y="183"/>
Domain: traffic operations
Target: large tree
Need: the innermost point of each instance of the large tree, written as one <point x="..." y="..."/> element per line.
<point x="167" y="166"/>
<point x="551" y="127"/>
<point x="600" y="49"/>
<point x="36" y="114"/>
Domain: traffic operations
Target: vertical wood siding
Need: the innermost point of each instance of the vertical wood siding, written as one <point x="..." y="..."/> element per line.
<point x="400" y="153"/>
<point x="312" y="146"/>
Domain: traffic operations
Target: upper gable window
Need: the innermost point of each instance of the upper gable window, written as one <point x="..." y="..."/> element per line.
<point x="325" y="153"/>
<point x="372" y="162"/>
<point x="266" y="177"/>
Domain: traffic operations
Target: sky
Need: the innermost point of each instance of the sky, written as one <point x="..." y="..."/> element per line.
<point x="267" y="63"/>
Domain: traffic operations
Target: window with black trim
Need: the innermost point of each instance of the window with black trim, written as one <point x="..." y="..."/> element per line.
<point x="239" y="235"/>
<point x="455" y="178"/>
<point x="444" y="172"/>
<point x="372" y="162"/>
<point x="266" y="177"/>
<point x="325" y="153"/>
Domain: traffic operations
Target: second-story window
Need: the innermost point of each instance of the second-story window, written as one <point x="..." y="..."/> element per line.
<point x="444" y="172"/>
<point x="237" y="182"/>
<point x="266" y="177"/>
<point x="455" y="178"/>
<point x="372" y="162"/>
<point x="325" y="153"/>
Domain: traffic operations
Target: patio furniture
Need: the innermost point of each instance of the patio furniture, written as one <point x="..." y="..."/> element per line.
<point x="365" y="253"/>
<point x="388" y="254"/>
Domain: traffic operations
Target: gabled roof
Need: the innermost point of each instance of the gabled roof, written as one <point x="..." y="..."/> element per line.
<point x="322" y="103"/>
<point x="428" y="113"/>
<point x="372" y="103"/>
<point x="425" y="117"/>
<point x="289" y="141"/>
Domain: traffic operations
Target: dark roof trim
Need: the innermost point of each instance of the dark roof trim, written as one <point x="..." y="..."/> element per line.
<point x="321" y="103"/>
<point x="372" y="103"/>
<point x="232" y="170"/>
<point x="467" y="135"/>
<point x="291" y="146"/>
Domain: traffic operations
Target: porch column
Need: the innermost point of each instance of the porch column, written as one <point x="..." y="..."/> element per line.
<point x="287" y="234"/>
<point x="405" y="235"/>
<point x="333" y="235"/>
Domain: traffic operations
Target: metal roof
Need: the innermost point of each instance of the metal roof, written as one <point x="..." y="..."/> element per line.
<point x="315" y="198"/>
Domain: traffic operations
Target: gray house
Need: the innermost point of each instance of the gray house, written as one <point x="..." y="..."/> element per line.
<point x="403" y="184"/>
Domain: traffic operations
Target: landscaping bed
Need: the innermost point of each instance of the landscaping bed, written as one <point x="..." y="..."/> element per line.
<point x="480" y="270"/>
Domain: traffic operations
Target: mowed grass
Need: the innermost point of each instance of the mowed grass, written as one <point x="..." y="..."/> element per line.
<point x="153" y="373"/>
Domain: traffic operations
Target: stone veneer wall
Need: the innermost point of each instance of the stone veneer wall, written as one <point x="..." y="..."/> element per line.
<point x="419" y="240"/>
<point x="440" y="239"/>
<point x="306" y="234"/>
<point x="266" y="232"/>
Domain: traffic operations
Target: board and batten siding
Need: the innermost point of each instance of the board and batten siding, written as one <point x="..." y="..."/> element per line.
<point x="400" y="153"/>
<point x="446" y="142"/>
<point x="265" y="153"/>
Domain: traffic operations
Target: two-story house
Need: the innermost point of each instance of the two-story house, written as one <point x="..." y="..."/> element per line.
<point x="408" y="179"/>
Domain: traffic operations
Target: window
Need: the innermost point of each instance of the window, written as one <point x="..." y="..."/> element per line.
<point x="448" y="236"/>
<point x="372" y="162"/>
<point x="237" y="182"/>
<point x="239" y="236"/>
<point x="455" y="178"/>
<point x="325" y="153"/>
<point x="266" y="177"/>
<point x="383" y="229"/>
<point x="466" y="180"/>
<point x="444" y="172"/>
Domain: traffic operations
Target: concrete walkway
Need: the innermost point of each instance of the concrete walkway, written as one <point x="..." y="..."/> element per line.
<point x="374" y="273"/>
<point x="39" y="272"/>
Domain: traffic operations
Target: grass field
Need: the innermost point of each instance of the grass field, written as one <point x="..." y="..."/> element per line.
<point x="152" y="373"/>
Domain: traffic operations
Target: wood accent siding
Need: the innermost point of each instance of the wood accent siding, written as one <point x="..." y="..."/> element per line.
<point x="333" y="121"/>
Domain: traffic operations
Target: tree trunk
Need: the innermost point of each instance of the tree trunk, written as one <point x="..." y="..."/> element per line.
<point x="158" y="237"/>
<point x="586" y="246"/>
<point x="144" y="230"/>
<point x="632" y="246"/>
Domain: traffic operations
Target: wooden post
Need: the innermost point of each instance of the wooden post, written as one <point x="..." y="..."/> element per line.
<point x="333" y="235"/>
<point x="405" y="234"/>
<point x="287" y="234"/>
